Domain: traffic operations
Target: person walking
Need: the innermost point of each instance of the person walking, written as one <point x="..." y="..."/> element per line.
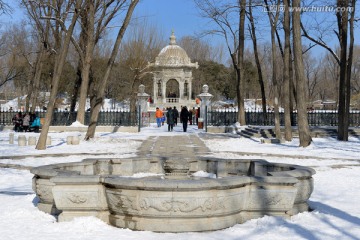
<point x="176" y="115"/>
<point x="170" y="119"/>
<point x="158" y="115"/>
<point x="163" y="117"/>
<point x="184" y="117"/>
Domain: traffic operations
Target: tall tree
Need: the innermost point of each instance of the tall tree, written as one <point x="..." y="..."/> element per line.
<point x="94" y="20"/>
<point x="344" y="31"/>
<point x="97" y="98"/>
<point x="346" y="27"/>
<point x="273" y="19"/>
<point x="222" y="14"/>
<point x="240" y="63"/>
<point x="252" y="31"/>
<point x="287" y="79"/>
<point x="303" y="125"/>
<point x="43" y="49"/>
<point x="62" y="12"/>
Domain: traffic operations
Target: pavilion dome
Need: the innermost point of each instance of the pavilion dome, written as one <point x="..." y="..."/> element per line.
<point x="173" y="55"/>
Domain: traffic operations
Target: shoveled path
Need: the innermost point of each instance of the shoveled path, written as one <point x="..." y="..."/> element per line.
<point x="186" y="146"/>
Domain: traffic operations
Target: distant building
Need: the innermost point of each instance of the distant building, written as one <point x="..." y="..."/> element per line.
<point x="172" y="78"/>
<point x="324" y="105"/>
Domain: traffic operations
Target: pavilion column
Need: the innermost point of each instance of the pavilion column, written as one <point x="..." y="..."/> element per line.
<point x="189" y="89"/>
<point x="163" y="89"/>
<point x="181" y="90"/>
<point x="155" y="96"/>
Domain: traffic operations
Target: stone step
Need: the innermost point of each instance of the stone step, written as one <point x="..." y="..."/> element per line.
<point x="253" y="130"/>
<point x="245" y="134"/>
<point x="272" y="140"/>
<point x="257" y="134"/>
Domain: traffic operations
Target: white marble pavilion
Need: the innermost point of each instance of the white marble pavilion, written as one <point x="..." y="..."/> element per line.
<point x="172" y="78"/>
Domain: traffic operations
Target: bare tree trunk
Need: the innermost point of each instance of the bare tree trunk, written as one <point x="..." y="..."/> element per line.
<point x="76" y="90"/>
<point x="349" y="66"/>
<point x="133" y="96"/>
<point x="59" y="64"/>
<point x="99" y="97"/>
<point x="292" y="90"/>
<point x="287" y="62"/>
<point x="303" y="125"/>
<point x="273" y="20"/>
<point x="78" y="81"/>
<point x="240" y="70"/>
<point x="345" y="68"/>
<point x="342" y="25"/>
<point x="29" y="94"/>
<point x="88" y="26"/>
<point x="276" y="87"/>
<point x="258" y="64"/>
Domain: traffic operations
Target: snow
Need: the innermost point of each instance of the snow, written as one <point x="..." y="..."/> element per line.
<point x="142" y="174"/>
<point x="77" y="124"/>
<point x="335" y="199"/>
<point x="250" y="104"/>
<point x="204" y="174"/>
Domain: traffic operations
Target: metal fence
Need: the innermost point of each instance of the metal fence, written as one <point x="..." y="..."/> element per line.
<point x="218" y="117"/>
<point x="226" y="117"/>
<point x="66" y="118"/>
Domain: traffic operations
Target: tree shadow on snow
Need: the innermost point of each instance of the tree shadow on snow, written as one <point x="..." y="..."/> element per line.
<point x="59" y="144"/>
<point x="326" y="209"/>
<point x="276" y="222"/>
<point x="15" y="193"/>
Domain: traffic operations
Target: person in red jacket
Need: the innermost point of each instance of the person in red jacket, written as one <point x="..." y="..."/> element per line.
<point x="158" y="115"/>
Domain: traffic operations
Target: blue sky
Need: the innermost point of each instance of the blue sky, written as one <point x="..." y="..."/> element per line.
<point x="178" y="15"/>
<point x="182" y="16"/>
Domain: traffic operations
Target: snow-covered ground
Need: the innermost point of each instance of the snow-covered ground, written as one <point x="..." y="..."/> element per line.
<point x="335" y="199"/>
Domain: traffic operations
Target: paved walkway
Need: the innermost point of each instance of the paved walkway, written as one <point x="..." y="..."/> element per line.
<point x="186" y="146"/>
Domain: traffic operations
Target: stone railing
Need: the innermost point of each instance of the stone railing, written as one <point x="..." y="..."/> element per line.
<point x="172" y="100"/>
<point x="106" y="188"/>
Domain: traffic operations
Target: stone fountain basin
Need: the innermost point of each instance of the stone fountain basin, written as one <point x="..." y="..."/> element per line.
<point x="244" y="189"/>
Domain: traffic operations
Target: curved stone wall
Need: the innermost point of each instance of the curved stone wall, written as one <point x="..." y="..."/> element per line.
<point x="105" y="188"/>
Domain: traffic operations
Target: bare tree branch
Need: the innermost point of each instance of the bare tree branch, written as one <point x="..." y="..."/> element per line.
<point x="320" y="43"/>
<point x="310" y="47"/>
<point x="5" y="8"/>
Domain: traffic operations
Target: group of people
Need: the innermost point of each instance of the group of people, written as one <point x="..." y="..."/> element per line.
<point x="172" y="115"/>
<point x="27" y="122"/>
